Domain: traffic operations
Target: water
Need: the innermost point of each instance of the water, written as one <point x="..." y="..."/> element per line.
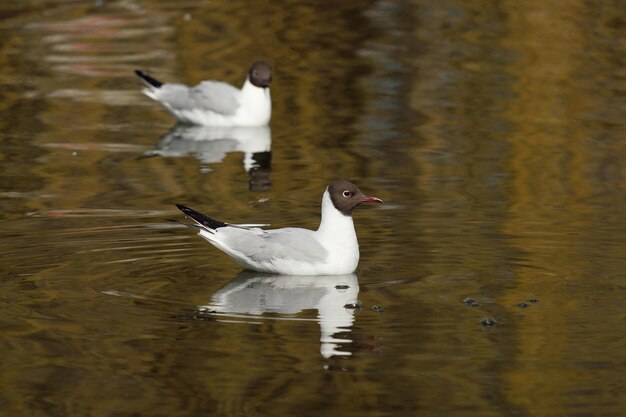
<point x="493" y="131"/>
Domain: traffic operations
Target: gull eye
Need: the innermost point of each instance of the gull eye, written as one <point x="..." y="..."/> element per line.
<point x="347" y="193"/>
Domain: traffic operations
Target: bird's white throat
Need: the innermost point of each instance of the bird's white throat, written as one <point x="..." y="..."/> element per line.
<point x="335" y="228"/>
<point x="256" y="103"/>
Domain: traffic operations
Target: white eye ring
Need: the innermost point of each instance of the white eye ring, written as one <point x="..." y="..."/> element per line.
<point x="346" y="193"/>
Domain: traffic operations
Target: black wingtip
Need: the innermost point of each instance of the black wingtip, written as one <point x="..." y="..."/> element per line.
<point x="200" y="218"/>
<point x="148" y="79"/>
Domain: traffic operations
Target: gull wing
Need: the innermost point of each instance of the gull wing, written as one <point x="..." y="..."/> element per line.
<point x="216" y="96"/>
<point x="267" y="245"/>
<point x="212" y="96"/>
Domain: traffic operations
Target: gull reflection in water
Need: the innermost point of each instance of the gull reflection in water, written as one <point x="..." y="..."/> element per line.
<point x="255" y="294"/>
<point x="211" y="145"/>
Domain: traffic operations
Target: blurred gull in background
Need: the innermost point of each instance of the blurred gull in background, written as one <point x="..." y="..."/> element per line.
<point x="216" y="103"/>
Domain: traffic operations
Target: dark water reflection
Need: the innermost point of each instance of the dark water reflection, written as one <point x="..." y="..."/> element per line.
<point x="493" y="131"/>
<point x="335" y="298"/>
<point x="210" y="145"/>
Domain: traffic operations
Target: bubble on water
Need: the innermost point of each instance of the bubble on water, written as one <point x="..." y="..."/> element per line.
<point x="354" y="305"/>
<point x="488" y="321"/>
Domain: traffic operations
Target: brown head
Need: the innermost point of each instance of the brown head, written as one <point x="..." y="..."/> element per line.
<point x="260" y="74"/>
<point x="346" y="196"/>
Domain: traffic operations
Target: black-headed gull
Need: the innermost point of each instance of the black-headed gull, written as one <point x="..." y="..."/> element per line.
<point x="216" y="103"/>
<point x="332" y="249"/>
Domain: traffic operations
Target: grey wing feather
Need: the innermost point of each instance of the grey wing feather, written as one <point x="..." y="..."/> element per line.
<point x="174" y="96"/>
<point x="265" y="245"/>
<point x="216" y="96"/>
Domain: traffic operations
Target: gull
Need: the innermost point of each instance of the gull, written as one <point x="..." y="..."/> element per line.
<point x="216" y="103"/>
<point x="332" y="249"/>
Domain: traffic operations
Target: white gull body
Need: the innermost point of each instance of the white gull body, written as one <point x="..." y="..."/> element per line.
<point x="215" y="103"/>
<point x="332" y="249"/>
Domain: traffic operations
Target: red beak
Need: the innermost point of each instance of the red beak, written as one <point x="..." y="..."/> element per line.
<point x="367" y="199"/>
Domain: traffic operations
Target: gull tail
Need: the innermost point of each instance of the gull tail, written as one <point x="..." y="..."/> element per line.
<point x="148" y="80"/>
<point x="206" y="222"/>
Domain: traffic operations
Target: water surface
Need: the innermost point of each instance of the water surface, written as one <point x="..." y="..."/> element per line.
<point x="493" y="131"/>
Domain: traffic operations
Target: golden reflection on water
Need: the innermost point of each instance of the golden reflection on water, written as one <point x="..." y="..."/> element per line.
<point x="492" y="130"/>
